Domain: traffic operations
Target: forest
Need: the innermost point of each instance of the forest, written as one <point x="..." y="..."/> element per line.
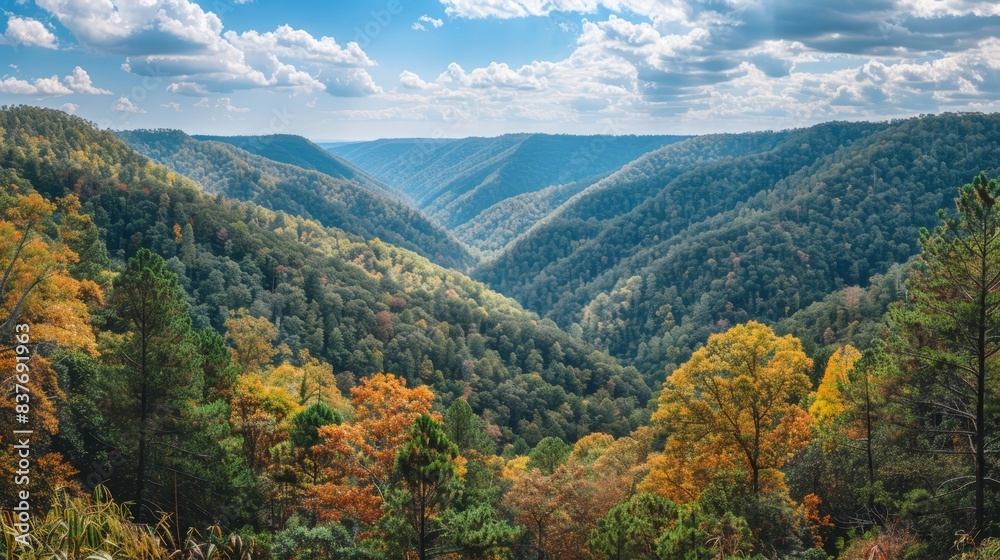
<point x="776" y="345"/>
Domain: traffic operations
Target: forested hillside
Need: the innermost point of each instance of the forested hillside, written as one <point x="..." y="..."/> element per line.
<point x="204" y="377"/>
<point x="225" y="169"/>
<point x="650" y="261"/>
<point x="456" y="180"/>
<point x="300" y="152"/>
<point x="303" y="306"/>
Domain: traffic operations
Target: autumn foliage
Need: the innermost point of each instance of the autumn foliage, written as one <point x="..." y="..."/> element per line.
<point x="362" y="454"/>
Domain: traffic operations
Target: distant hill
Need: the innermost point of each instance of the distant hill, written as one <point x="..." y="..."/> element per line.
<point x="300" y="152"/>
<point x="719" y="229"/>
<point x="361" y="305"/>
<point x="223" y="168"/>
<point x="457" y="180"/>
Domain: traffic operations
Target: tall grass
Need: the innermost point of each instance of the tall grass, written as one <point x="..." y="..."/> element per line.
<point x="98" y="528"/>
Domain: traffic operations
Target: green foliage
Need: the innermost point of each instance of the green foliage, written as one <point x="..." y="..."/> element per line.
<point x="427" y="482"/>
<point x="478" y="533"/>
<point x="457" y="180"/>
<point x="631" y="529"/>
<point x="326" y="289"/>
<point x="948" y="337"/>
<point x="300" y="152"/>
<point x="717" y="230"/>
<point x="549" y="454"/>
<point x="306" y="424"/>
<point x="465" y="429"/>
<point x="325" y="542"/>
<point x="227" y="170"/>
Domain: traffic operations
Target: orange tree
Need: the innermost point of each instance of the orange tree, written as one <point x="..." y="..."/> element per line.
<point x="359" y="457"/>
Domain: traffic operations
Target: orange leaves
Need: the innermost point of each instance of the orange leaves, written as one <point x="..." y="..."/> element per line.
<point x="732" y="403"/>
<point x="36" y="290"/>
<point x="360" y="455"/>
<point x="816" y="522"/>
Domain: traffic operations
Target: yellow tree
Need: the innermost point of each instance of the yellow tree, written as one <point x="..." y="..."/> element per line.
<point x="360" y="456"/>
<point x="829" y="403"/>
<point x="40" y="308"/>
<point x="252" y="340"/>
<point x="733" y="401"/>
<point x="312" y="382"/>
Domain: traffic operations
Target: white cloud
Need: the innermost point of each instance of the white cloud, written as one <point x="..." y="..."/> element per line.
<point x="125" y="105"/>
<point x="179" y="41"/>
<point x="187" y="88"/>
<point x="203" y="102"/>
<point x="425" y="20"/>
<point x="296" y="44"/>
<point x="69" y="108"/>
<point x="77" y="82"/>
<point x="28" y="32"/>
<point x="172" y="105"/>
<point x="227" y="105"/>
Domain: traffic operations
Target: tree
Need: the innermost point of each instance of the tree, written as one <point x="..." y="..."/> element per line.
<point x="734" y="398"/>
<point x="426" y="469"/>
<point x="829" y="403"/>
<point x="466" y="429"/>
<point x="478" y="532"/>
<point x="306" y="424"/>
<point x="158" y="353"/>
<point x="41" y="309"/>
<point x="631" y="529"/>
<point x="951" y="333"/>
<point x="549" y="454"/>
<point x="360" y="456"/>
<point x="252" y="339"/>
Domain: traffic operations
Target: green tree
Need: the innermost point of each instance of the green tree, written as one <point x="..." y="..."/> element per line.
<point x="631" y="529"/>
<point x="159" y="356"/>
<point x="951" y="335"/>
<point x="466" y="429"/>
<point x="306" y="424"/>
<point x="549" y="454"/>
<point x="478" y="533"/>
<point x="427" y="477"/>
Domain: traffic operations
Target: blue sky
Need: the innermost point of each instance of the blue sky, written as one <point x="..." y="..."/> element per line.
<point x="345" y="70"/>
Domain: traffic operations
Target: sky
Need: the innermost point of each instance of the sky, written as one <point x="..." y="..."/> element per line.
<point x="363" y="69"/>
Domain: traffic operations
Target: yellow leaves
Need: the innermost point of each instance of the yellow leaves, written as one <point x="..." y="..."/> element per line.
<point x="312" y="382"/>
<point x="829" y="403"/>
<point x="732" y="403"/>
<point x="252" y="339"/>
<point x="515" y="467"/>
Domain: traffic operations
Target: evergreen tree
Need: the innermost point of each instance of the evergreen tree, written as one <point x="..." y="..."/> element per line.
<point x="951" y="335"/>
<point x="159" y="358"/>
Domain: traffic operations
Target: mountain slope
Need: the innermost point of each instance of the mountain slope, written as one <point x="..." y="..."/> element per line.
<point x="300" y="152"/>
<point x="457" y="180"/>
<point x="225" y="169"/>
<point x="753" y="237"/>
<point x="363" y="306"/>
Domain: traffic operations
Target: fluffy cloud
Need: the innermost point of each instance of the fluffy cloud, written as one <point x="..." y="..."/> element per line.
<point x="425" y="20"/>
<point x="77" y="82"/>
<point x="226" y="105"/>
<point x="125" y="105"/>
<point x="27" y="32"/>
<point x="179" y="41"/>
<point x="752" y="61"/>
<point x="69" y="108"/>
